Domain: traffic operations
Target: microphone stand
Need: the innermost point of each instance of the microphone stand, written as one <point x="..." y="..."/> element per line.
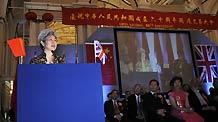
<point x="76" y="50"/>
<point x="20" y="60"/>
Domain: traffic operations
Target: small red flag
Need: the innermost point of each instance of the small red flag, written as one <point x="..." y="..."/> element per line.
<point x="17" y="47"/>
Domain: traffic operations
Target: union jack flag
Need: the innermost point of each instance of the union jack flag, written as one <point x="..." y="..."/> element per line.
<point x="99" y="52"/>
<point x="206" y="62"/>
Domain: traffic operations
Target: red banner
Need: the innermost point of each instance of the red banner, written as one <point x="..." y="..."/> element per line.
<point x="134" y="18"/>
<point x="108" y="69"/>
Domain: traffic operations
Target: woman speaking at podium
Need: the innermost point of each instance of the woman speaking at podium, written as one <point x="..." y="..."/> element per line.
<point x="48" y="43"/>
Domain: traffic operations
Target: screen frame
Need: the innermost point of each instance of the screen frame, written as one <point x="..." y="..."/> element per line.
<point x="116" y="30"/>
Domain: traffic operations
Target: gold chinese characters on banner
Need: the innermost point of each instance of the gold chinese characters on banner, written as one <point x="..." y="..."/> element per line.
<point x="133" y="18"/>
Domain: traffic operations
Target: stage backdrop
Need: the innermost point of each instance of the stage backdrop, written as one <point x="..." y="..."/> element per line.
<point x="155" y="42"/>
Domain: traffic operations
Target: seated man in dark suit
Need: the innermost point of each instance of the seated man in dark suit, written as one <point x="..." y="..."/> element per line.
<point x="214" y="92"/>
<point x="156" y="105"/>
<point x="125" y="104"/>
<point x="201" y="103"/>
<point x="114" y="108"/>
<point x="135" y="108"/>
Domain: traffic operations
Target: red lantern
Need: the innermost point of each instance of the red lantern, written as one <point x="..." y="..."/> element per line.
<point x="31" y="16"/>
<point x="47" y="17"/>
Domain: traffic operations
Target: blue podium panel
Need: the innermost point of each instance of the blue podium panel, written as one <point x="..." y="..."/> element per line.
<point x="59" y="93"/>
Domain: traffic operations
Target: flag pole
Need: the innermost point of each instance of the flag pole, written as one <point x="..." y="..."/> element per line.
<point x="20" y="60"/>
<point x="94" y="50"/>
<point x="77" y="42"/>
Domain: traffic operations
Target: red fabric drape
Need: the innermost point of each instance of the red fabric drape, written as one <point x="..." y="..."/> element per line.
<point x="108" y="69"/>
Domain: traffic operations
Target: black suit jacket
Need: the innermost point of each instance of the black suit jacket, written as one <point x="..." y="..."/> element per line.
<point x="154" y="102"/>
<point x="132" y="107"/>
<point x="209" y="116"/>
<point x="194" y="101"/>
<point x="109" y="110"/>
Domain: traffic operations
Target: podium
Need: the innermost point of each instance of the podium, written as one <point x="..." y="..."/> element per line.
<point x="59" y="93"/>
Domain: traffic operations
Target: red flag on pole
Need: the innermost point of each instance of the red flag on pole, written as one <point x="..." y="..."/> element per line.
<point x="17" y="47"/>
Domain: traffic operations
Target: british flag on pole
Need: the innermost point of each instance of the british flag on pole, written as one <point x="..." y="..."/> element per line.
<point x="206" y="62"/>
<point x="108" y="69"/>
<point x="99" y="51"/>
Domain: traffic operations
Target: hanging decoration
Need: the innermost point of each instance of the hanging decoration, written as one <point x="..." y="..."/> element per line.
<point x="47" y="17"/>
<point x="31" y="16"/>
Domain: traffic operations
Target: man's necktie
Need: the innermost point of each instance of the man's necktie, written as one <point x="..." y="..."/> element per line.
<point x="138" y="102"/>
<point x="116" y="109"/>
<point x="139" y="108"/>
<point x="205" y="98"/>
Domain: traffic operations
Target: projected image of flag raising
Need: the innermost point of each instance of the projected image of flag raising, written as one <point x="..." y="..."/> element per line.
<point x="99" y="52"/>
<point x="153" y="54"/>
